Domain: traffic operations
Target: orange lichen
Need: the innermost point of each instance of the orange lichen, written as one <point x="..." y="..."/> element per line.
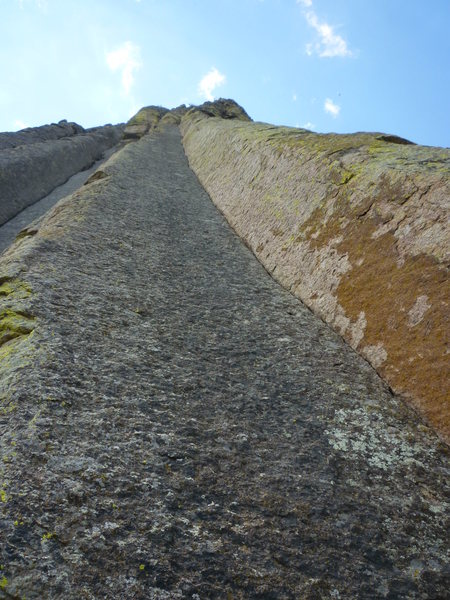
<point x="385" y="291"/>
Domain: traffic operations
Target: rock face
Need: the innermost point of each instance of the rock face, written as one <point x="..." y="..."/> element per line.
<point x="356" y="226"/>
<point x="144" y="121"/>
<point x="176" y="425"/>
<point x="150" y="118"/>
<point x="36" y="160"/>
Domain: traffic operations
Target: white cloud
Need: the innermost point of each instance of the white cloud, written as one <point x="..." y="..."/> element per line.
<point x="209" y="83"/>
<point x="308" y="125"/>
<point x="127" y="59"/>
<point x="330" y="44"/>
<point x="19" y="124"/>
<point x="306" y="3"/>
<point x="331" y="108"/>
<point x="294" y="97"/>
<point x="41" y="4"/>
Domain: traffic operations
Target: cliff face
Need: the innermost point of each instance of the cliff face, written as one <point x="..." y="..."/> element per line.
<point x="174" y="423"/>
<point x="36" y="160"/>
<point x="356" y="226"/>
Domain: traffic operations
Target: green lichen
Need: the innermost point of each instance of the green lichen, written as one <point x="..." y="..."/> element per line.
<point x="3" y="583"/>
<point x="14" y="324"/>
<point x="346" y="177"/>
<point x="15" y="288"/>
<point x="26" y="233"/>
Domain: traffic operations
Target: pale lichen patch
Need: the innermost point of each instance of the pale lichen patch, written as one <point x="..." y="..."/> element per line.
<point x="417" y="312"/>
<point x="375" y="353"/>
<point x="376" y="447"/>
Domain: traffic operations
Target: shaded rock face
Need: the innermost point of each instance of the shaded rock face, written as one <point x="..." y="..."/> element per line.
<point x="356" y="226"/>
<point x="35" y="161"/>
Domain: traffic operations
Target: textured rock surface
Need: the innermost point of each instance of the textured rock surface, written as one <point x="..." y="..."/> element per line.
<point x="22" y="220"/>
<point x="174" y="424"/>
<point x="45" y="159"/>
<point x="354" y="225"/>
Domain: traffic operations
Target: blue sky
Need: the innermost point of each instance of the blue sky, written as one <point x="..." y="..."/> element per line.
<point x="328" y="65"/>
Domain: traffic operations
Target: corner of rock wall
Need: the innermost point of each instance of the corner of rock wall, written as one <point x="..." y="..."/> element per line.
<point x="356" y="226"/>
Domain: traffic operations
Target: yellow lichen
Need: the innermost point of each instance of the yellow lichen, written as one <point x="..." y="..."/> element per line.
<point x="14" y="287"/>
<point x="14" y="324"/>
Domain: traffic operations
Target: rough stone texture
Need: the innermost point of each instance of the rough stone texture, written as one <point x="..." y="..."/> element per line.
<point x="23" y="220"/>
<point x="354" y="225"/>
<point x="28" y="172"/>
<point x="174" y="424"/>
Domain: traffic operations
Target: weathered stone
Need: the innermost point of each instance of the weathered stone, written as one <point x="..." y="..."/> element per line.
<point x="30" y="171"/>
<point x="18" y="225"/>
<point x="356" y="226"/>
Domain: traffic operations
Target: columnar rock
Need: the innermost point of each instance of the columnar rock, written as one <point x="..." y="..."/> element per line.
<point x="176" y="425"/>
<point x="36" y="160"/>
<point x="356" y="226"/>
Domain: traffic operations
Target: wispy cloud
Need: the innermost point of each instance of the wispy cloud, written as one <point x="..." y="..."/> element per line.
<point x="331" y="108"/>
<point x="294" y="97"/>
<point x="126" y="59"/>
<point x="209" y="82"/>
<point x="41" y="4"/>
<point x="308" y="125"/>
<point x="329" y="43"/>
<point x="19" y="124"/>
